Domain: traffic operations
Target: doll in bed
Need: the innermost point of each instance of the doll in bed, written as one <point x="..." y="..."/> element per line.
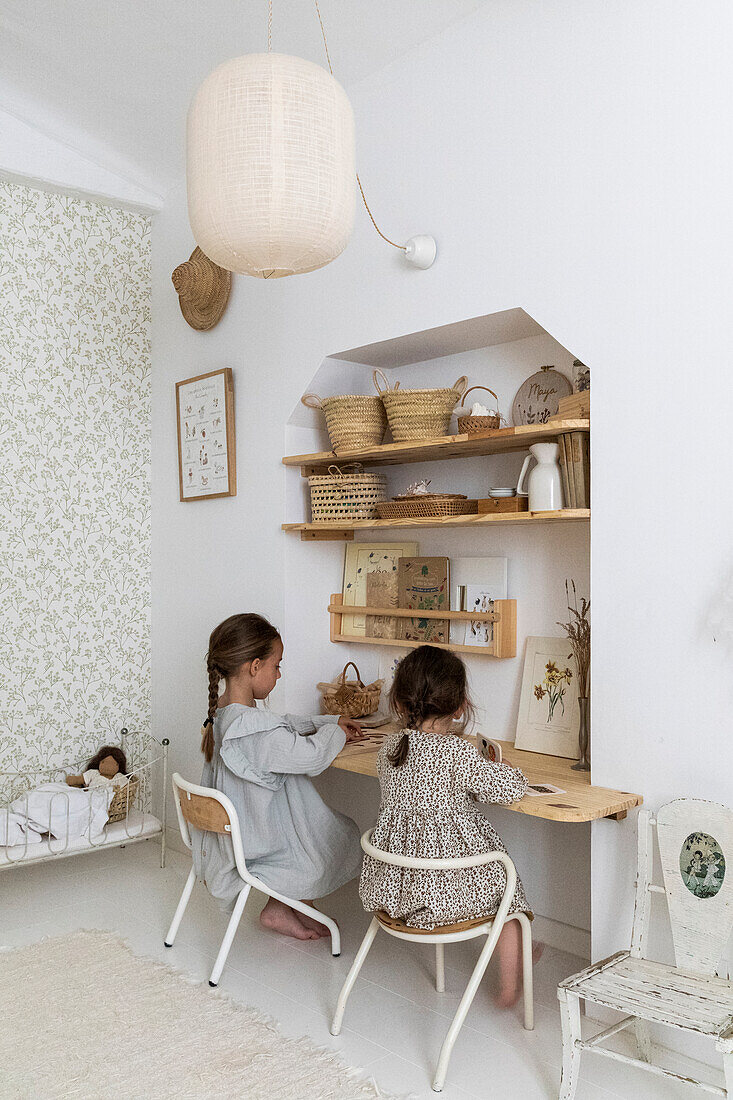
<point x="107" y="769"/>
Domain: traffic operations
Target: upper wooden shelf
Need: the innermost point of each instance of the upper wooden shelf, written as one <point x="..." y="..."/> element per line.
<point x="497" y="441"/>
<point x="581" y="801"/>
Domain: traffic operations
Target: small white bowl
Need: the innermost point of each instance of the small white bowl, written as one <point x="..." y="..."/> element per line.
<point x="496" y="493"/>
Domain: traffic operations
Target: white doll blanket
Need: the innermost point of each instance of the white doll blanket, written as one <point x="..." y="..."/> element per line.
<point x="59" y="810"/>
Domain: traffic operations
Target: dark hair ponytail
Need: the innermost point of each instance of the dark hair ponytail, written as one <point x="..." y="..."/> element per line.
<point x="233" y="643"/>
<point x="429" y="683"/>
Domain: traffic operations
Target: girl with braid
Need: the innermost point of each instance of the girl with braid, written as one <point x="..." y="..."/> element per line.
<point x="432" y="779"/>
<point x="292" y="841"/>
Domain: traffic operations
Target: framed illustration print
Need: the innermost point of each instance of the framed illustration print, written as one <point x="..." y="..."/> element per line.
<point x="207" y="461"/>
<point x="549" y="715"/>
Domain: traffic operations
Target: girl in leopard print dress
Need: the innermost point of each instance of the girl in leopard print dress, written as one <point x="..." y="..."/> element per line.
<point x="432" y="780"/>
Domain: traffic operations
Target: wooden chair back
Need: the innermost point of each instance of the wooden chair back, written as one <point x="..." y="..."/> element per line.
<point x="695" y="840"/>
<point x="204" y="813"/>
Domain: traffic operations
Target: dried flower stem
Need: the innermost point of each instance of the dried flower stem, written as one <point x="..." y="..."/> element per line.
<point x="578" y="632"/>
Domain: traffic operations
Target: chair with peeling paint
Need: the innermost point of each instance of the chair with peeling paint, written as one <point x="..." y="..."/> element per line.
<point x="695" y="841"/>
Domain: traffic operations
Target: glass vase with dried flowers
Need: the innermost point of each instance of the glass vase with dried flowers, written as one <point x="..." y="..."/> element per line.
<point x="578" y="632"/>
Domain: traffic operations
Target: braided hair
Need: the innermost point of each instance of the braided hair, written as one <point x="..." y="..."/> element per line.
<point x="237" y="641"/>
<point x="429" y="683"/>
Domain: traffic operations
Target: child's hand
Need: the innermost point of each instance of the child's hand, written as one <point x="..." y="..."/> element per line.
<point x="352" y="729"/>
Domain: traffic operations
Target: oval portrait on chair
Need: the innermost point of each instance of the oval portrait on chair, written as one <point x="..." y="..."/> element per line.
<point x="702" y="865"/>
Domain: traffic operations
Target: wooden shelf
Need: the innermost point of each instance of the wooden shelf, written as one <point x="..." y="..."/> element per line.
<point x="581" y="801"/>
<point x="496" y="441"/>
<point x="313" y="532"/>
<point x="504" y="618"/>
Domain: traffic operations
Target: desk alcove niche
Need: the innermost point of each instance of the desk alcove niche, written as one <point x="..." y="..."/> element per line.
<point x="499" y="350"/>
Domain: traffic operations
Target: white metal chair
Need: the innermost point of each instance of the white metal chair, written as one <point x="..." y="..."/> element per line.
<point x="451" y="933"/>
<point x="211" y="811"/>
<point x="696" y="848"/>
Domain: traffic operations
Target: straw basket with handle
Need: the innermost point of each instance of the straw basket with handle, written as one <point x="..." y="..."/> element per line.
<point x="470" y="425"/>
<point x="123" y="799"/>
<point x="353" y="420"/>
<point x="340" y="495"/>
<point x="351" y="698"/>
<point x="419" y="414"/>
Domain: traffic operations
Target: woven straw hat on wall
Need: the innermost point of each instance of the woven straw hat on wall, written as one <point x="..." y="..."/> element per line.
<point x="203" y="290"/>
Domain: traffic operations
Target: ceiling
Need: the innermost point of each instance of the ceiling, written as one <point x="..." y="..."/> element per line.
<point x="113" y="78"/>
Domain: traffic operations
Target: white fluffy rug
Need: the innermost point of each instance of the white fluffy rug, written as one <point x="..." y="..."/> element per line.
<point x="83" y="1018"/>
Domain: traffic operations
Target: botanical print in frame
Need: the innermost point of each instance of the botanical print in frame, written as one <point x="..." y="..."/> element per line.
<point x="360" y="559"/>
<point x="549" y="715"/>
<point x="207" y="465"/>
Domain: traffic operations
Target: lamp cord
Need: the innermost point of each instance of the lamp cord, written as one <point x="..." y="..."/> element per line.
<point x="361" y="189"/>
<point x="269" y="27"/>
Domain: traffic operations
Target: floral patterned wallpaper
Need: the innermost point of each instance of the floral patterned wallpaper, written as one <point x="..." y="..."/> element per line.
<point x="74" y="476"/>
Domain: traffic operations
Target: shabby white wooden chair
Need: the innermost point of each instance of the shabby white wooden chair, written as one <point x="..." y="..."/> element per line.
<point x="695" y="840"/>
<point x="211" y="811"/>
<point x="449" y="933"/>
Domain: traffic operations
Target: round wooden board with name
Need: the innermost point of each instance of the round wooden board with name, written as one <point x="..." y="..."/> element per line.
<point x="538" y="397"/>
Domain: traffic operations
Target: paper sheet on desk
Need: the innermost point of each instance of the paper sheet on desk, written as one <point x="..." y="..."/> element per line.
<point x="534" y="790"/>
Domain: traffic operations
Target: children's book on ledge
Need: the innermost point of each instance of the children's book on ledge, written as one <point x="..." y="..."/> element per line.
<point x="424" y="584"/>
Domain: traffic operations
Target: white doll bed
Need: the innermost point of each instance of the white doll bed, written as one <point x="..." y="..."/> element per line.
<point x="147" y="758"/>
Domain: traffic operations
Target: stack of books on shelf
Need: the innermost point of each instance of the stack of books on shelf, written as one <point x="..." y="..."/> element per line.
<point x="575" y="468"/>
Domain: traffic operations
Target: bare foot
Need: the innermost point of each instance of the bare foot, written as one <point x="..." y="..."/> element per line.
<point x="311" y="923"/>
<point x="280" y="918"/>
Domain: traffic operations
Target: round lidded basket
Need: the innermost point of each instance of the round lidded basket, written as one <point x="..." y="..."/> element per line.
<point x="419" y="414"/>
<point x="427" y="505"/>
<point x="350" y="698"/>
<point x="123" y="799"/>
<point x="471" y="425"/>
<point x="339" y="495"/>
<point x="353" y="420"/>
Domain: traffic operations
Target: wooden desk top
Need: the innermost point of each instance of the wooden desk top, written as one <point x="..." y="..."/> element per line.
<point x="581" y="802"/>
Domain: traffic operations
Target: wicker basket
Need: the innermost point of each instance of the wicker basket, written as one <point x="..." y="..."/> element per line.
<point x="351" y="698"/>
<point x="426" y="505"/>
<point x="124" y="798"/>
<point x="471" y="425"/>
<point x="419" y="414"/>
<point x="339" y="495"/>
<point x="352" y="419"/>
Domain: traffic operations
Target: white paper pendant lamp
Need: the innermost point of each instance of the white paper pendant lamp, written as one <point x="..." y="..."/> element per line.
<point x="271" y="166"/>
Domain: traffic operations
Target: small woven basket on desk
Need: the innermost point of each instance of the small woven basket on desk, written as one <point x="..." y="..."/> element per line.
<point x="351" y="698"/>
<point x="419" y="414"/>
<point x="471" y="425"/>
<point x="341" y="495"/>
<point x="124" y="797"/>
<point x="353" y="420"/>
<point x="427" y="505"/>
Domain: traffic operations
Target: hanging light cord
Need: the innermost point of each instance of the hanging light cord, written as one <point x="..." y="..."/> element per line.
<point x="361" y="189"/>
<point x="269" y="27"/>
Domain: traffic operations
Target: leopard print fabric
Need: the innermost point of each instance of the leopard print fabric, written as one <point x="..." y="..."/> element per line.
<point x="429" y="809"/>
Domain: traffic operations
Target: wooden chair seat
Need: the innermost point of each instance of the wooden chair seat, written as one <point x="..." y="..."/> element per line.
<point x="658" y="993"/>
<point x="398" y="925"/>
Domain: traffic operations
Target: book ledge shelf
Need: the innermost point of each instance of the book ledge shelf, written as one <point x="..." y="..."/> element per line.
<point x="504" y="618"/>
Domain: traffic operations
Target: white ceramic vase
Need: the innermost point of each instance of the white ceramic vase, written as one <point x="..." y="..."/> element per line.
<point x="544" y="484"/>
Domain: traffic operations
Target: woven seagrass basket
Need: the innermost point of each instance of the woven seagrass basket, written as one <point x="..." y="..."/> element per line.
<point x="124" y="798"/>
<point x="339" y="495"/>
<point x="419" y="414"/>
<point x="353" y="420"/>
<point x="351" y="698"/>
<point x="427" y="505"/>
<point x="470" y="425"/>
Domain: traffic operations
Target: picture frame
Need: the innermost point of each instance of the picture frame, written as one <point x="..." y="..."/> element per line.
<point x="207" y="461"/>
<point x="549" y="714"/>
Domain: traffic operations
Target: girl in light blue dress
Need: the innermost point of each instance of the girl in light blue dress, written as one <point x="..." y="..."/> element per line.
<point x="292" y="840"/>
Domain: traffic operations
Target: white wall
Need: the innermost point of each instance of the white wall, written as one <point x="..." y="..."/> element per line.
<point x="568" y="159"/>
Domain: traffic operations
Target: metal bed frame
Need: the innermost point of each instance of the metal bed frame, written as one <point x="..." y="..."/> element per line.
<point x="144" y="753"/>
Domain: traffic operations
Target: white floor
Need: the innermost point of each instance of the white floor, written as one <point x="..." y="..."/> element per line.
<point x="395" y="1021"/>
